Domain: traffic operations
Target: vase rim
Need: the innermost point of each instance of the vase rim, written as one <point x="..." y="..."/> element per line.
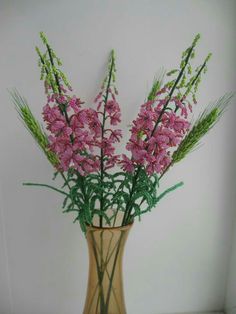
<point x="111" y="228"/>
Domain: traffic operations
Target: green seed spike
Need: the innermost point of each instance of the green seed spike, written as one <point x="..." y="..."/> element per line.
<point x="197" y="132"/>
<point x="156" y="85"/>
<point x="196" y="39"/>
<point x="206" y="121"/>
<point x="33" y="126"/>
<point x="154" y="90"/>
<point x="38" y="51"/>
<point x="193" y="55"/>
<point x="172" y="72"/>
<point x="44" y="38"/>
<point x="183" y="81"/>
<point x="189" y="70"/>
<point x="208" y="57"/>
<point x="113" y="54"/>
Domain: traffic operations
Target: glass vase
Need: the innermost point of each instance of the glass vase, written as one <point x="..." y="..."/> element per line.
<point x="105" y="284"/>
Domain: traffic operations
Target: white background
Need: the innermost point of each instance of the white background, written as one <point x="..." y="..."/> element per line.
<point x="230" y="301"/>
<point x="177" y="258"/>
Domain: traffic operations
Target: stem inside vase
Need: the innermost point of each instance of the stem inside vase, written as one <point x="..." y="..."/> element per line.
<point x="105" y="285"/>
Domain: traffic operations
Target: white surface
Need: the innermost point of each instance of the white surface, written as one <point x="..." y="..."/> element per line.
<point x="5" y="287"/>
<point x="176" y="259"/>
<point x="230" y="304"/>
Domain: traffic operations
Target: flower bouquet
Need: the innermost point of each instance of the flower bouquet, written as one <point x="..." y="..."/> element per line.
<point x="107" y="190"/>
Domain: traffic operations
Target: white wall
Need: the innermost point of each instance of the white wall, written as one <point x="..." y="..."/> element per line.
<point x="177" y="258"/>
<point x="5" y="292"/>
<point x="230" y="303"/>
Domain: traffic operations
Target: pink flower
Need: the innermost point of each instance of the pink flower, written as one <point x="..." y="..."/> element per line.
<point x="103" y="125"/>
<point x="146" y="117"/>
<point x="126" y="164"/>
<point x="138" y="151"/>
<point x="112" y="106"/>
<point x="65" y="158"/>
<point x="67" y="131"/>
<point x="179" y="104"/>
<point x="50" y="114"/>
<point x="63" y="89"/>
<point x="58" y="143"/>
<point x="76" y="123"/>
<point x="108" y="148"/>
<point x="57" y="126"/>
<point x="98" y="97"/>
<point x="95" y="126"/>
<point x="75" y="103"/>
<point x="158" y="163"/>
<point x="154" y="133"/>
<point x="115" y="118"/>
<point x="162" y="91"/>
<point x="111" y="162"/>
<point x="172" y="121"/>
<point x="61" y="99"/>
<point x="115" y="135"/>
<point x="190" y="107"/>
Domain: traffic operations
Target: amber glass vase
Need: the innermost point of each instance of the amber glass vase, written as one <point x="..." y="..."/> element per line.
<point x="105" y="285"/>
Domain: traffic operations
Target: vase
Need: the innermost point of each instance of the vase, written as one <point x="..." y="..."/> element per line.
<point x="105" y="283"/>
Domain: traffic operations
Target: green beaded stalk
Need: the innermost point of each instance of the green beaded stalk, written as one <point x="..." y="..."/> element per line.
<point x="50" y="66"/>
<point x="108" y="81"/>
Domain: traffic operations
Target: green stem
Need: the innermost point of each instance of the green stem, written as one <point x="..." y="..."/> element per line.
<point x="126" y="217"/>
<point x="63" y="176"/>
<point x="52" y="63"/>
<point x="57" y="82"/>
<point x="192" y="84"/>
<point x="92" y="298"/>
<point x="172" y="188"/>
<point x="45" y="67"/>
<point x="166" y="169"/>
<point x="115" y="217"/>
<point x="61" y="173"/>
<point x="59" y="87"/>
<point x="112" y="274"/>
<point x="100" y="275"/>
<point x="172" y="90"/>
<point x="102" y="137"/>
<point x="129" y="208"/>
<point x="176" y="108"/>
<point x="169" y="98"/>
<point x="47" y="186"/>
<point x="118" y="205"/>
